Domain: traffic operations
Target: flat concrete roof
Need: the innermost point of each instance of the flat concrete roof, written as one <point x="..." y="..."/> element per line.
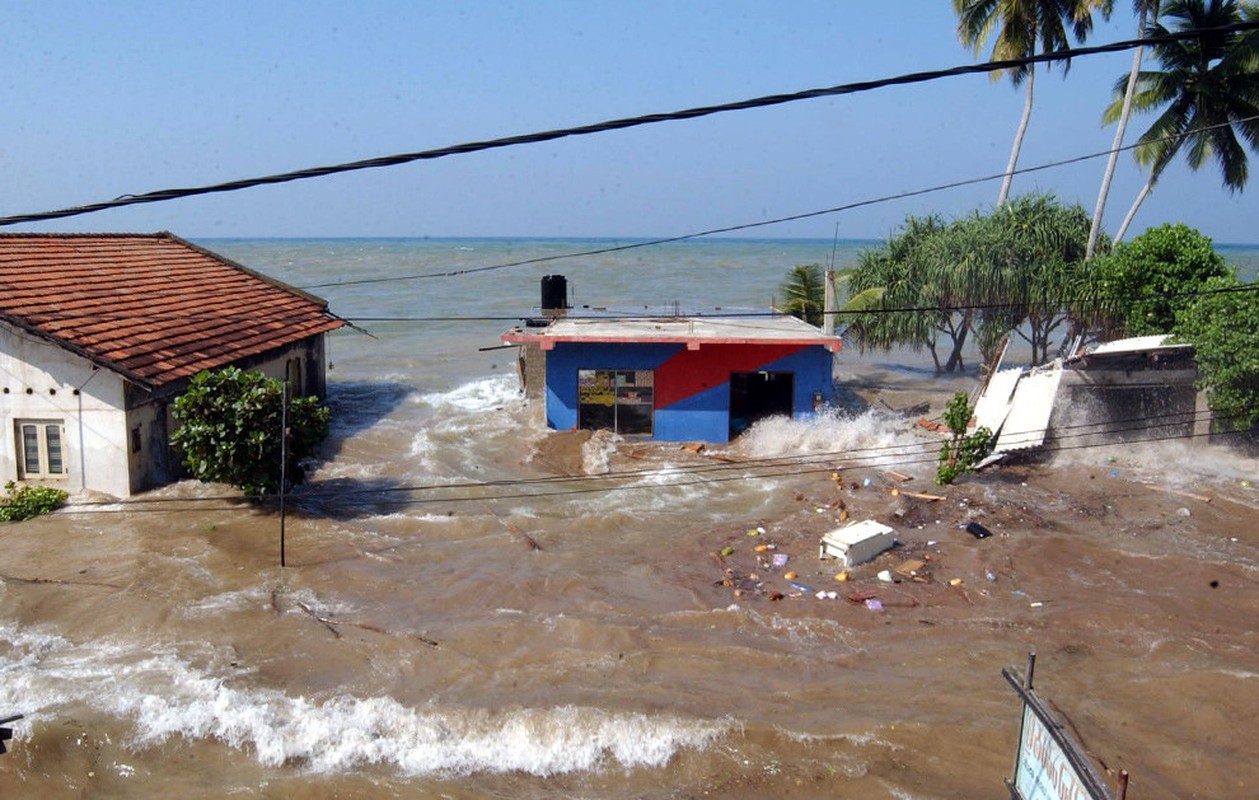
<point x="1136" y="344"/>
<point x="694" y="332"/>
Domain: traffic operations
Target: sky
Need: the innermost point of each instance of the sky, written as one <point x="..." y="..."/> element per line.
<point x="99" y="100"/>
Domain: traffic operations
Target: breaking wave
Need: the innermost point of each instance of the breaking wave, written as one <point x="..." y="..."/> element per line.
<point x="482" y="394"/>
<point x="164" y="696"/>
<point x="875" y="437"/>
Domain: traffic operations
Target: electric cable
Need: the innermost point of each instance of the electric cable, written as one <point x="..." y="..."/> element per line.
<point x="1032" y="305"/>
<point x="762" y="223"/>
<point x="623" y="123"/>
<point x="755" y="469"/>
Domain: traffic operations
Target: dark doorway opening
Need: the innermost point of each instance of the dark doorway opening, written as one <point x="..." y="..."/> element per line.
<point x="756" y="395"/>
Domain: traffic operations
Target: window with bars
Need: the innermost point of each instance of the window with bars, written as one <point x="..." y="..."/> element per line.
<point x="41" y="452"/>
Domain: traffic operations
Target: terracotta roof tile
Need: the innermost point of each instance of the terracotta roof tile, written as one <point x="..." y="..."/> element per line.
<point x="152" y="307"/>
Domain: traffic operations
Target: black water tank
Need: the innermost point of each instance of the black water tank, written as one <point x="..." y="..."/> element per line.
<point x="554" y="292"/>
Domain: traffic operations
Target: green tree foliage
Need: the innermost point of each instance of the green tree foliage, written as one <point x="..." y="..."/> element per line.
<point x="803" y="293"/>
<point x="29" y="501"/>
<point x="979" y="278"/>
<point x="1223" y="326"/>
<point x="1208" y="90"/>
<point x="1141" y="285"/>
<point x="963" y="451"/>
<point x="898" y="275"/>
<point x="231" y="430"/>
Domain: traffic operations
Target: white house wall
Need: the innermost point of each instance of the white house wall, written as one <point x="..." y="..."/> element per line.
<point x="103" y="422"/>
<point x="41" y="381"/>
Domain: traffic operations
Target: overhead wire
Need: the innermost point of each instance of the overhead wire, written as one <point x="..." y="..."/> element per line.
<point x="618" y="124"/>
<point x="941" y="187"/>
<point x="632" y="122"/>
<point x="884" y="456"/>
<point x="723" y="314"/>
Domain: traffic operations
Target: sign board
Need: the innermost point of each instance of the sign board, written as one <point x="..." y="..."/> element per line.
<point x="1051" y="764"/>
<point x="1044" y="772"/>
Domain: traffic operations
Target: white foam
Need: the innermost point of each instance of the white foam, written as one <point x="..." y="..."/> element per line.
<point x="873" y="437"/>
<point x="165" y="696"/>
<point x="483" y="394"/>
<point x="597" y="451"/>
<point x="1175" y="462"/>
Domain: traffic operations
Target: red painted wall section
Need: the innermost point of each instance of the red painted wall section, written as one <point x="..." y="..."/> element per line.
<point x="693" y="371"/>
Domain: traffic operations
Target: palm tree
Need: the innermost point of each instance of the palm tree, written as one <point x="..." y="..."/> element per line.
<point x="1210" y="87"/>
<point x="802" y="291"/>
<point x="1020" y="26"/>
<point x="1145" y="10"/>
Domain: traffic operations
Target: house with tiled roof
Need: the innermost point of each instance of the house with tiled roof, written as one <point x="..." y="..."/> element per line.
<point x="99" y="333"/>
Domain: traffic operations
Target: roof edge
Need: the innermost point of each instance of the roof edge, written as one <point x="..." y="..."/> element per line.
<point x="81" y="352"/>
<point x="316" y="299"/>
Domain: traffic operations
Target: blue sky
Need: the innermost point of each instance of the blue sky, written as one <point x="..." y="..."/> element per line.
<point x="105" y="99"/>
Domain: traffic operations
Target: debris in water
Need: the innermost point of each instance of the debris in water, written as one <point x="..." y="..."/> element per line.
<point x="857" y="543"/>
<point x="977" y="530"/>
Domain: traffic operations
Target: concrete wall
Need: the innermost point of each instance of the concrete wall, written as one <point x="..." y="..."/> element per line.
<point x="86" y="400"/>
<point x="692" y="387"/>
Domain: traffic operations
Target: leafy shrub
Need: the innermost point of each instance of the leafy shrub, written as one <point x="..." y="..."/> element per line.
<point x="962" y="452"/>
<point x="1145" y="282"/>
<point x="1223" y="326"/>
<point x="231" y="430"/>
<point x="29" y="501"/>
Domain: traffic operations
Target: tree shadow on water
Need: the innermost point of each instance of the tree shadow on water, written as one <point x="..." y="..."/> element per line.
<point x="344" y="499"/>
<point x="357" y="407"/>
<point x="347" y="499"/>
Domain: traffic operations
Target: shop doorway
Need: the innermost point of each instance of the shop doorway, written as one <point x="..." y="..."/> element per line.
<point x="757" y="395"/>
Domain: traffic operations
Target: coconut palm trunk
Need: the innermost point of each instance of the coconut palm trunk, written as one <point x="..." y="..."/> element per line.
<point x="1129" y="92"/>
<point x="1141" y="195"/>
<point x="1208" y="90"/>
<point x="1018" y="138"/>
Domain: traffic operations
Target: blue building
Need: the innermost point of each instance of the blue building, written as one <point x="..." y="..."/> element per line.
<point x="676" y="378"/>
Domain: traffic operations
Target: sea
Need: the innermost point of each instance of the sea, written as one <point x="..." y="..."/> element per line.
<point x="473" y="605"/>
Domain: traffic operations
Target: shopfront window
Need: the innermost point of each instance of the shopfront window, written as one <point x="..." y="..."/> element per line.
<point x="620" y="400"/>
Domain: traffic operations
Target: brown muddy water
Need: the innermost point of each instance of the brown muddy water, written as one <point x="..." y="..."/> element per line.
<point x="417" y="645"/>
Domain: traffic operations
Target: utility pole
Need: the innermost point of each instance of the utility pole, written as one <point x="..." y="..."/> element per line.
<point x="828" y="303"/>
<point x="284" y="457"/>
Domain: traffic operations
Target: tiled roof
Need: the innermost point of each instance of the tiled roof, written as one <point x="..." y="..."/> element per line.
<point x="152" y="307"/>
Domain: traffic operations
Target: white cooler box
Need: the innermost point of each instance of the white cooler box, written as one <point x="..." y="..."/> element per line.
<point x="857" y="543"/>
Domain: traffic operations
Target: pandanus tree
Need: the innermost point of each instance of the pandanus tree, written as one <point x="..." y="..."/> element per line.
<point x="973" y="281"/>
<point x="1018" y="29"/>
<point x="1208" y="90"/>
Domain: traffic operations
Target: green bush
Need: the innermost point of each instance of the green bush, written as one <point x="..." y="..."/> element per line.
<point x="1223" y="326"/>
<point x="962" y="452"/>
<point x="231" y="431"/>
<point x="29" y="501"/>
<point x="1146" y="282"/>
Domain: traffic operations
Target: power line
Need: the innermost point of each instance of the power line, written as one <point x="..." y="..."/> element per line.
<point x="1041" y="305"/>
<point x="618" y="124"/>
<point x="888" y="198"/>
<point x="905" y="454"/>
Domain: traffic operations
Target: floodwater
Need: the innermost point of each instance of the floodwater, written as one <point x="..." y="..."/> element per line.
<point x="474" y="606"/>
